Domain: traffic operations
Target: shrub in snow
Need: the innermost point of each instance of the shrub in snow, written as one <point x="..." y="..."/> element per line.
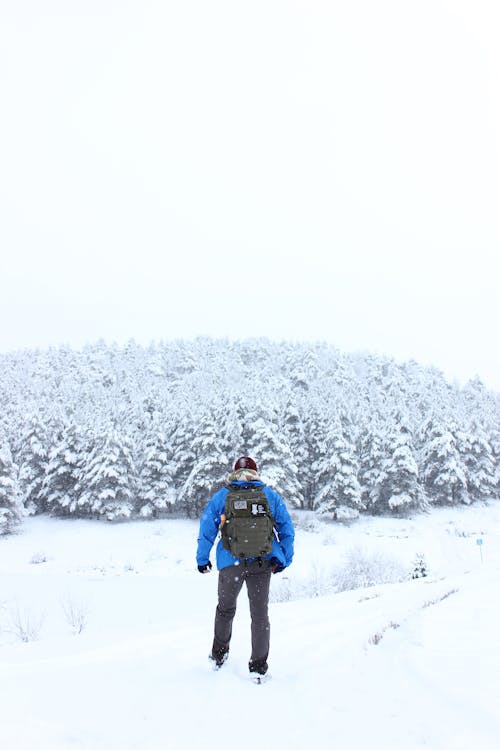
<point x="25" y="625"/>
<point x="307" y="522"/>
<point x="362" y="569"/>
<point x="281" y="590"/>
<point x="328" y="539"/>
<point x="375" y="639"/>
<point x="318" y="581"/>
<point x="321" y="580"/>
<point x="75" y="613"/>
<point x="37" y="558"/>
<point x="441" y="598"/>
<point x="343" y="513"/>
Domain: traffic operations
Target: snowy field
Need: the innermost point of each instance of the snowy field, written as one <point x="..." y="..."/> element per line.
<point x="105" y="632"/>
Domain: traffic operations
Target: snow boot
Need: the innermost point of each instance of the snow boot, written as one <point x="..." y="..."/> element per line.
<point x="218" y="658"/>
<point x="258" y="671"/>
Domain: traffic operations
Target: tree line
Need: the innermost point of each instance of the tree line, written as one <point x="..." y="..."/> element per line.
<point x="145" y="432"/>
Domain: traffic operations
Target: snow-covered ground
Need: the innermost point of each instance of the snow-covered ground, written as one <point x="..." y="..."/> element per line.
<point x="411" y="664"/>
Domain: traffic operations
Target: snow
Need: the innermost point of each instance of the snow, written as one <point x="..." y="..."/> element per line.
<point x="404" y="665"/>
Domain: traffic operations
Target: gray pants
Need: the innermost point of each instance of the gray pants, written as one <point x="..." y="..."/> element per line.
<point x="257" y="578"/>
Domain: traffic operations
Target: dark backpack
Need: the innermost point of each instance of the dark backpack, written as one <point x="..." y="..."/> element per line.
<point x="247" y="526"/>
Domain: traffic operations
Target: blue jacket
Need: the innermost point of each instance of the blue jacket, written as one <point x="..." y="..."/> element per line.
<point x="211" y="518"/>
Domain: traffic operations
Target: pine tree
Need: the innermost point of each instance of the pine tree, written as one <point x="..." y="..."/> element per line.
<point x="59" y="487"/>
<point x="478" y="463"/>
<point x="228" y="417"/>
<point x="316" y="437"/>
<point x="274" y="459"/>
<point x="337" y="470"/>
<point x="107" y="480"/>
<point x="208" y="469"/>
<point x="419" y="567"/>
<point x="183" y="430"/>
<point x="155" y="482"/>
<point x="32" y="457"/>
<point x="495" y="452"/>
<point x="294" y="433"/>
<point x="11" y="508"/>
<point x="371" y="462"/>
<point x="442" y="472"/>
<point x="400" y="491"/>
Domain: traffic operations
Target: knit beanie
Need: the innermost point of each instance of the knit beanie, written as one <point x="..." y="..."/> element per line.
<point x="245" y="462"/>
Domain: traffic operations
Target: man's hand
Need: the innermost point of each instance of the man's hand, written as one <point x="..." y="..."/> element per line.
<point x="276" y="566"/>
<point x="205" y="568"/>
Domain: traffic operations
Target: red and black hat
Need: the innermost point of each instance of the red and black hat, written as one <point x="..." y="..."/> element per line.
<point x="245" y="462"/>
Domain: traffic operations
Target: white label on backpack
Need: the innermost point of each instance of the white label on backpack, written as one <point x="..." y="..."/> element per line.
<point x="240" y="505"/>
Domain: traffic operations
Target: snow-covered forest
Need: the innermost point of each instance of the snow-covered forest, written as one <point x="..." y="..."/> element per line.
<point x="121" y="432"/>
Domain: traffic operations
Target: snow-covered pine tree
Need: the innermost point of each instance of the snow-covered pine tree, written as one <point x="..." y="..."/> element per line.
<point x="419" y="567"/>
<point x="441" y="469"/>
<point x="156" y="494"/>
<point x="228" y="418"/>
<point x="32" y="457"/>
<point x="59" y="487"/>
<point x="182" y="431"/>
<point x="337" y="477"/>
<point x="371" y="460"/>
<point x="107" y="480"/>
<point x="400" y="491"/>
<point x="477" y="459"/>
<point x="294" y="433"/>
<point x="208" y="469"/>
<point x="316" y="431"/>
<point x="11" y="507"/>
<point x="274" y="459"/>
<point x="495" y="452"/>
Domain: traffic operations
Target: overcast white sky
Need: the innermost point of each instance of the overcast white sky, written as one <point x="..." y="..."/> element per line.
<point x="293" y="169"/>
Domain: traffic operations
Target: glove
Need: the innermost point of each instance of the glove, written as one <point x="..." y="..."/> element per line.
<point x="205" y="568"/>
<point x="276" y="566"/>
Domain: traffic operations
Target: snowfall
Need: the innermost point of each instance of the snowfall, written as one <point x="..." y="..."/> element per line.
<point x="105" y="632"/>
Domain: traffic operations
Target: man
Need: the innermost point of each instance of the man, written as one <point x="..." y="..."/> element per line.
<point x="234" y="571"/>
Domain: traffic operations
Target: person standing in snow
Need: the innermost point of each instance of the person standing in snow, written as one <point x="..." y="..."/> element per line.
<point x="234" y="571"/>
